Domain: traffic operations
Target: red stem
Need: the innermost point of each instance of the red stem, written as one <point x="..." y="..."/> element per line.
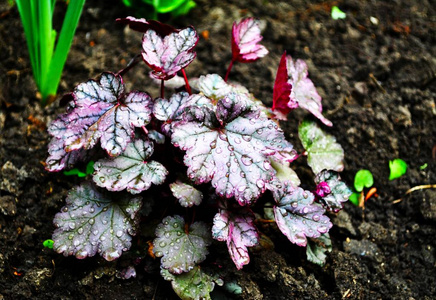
<point x="228" y="70"/>
<point x="162" y="89"/>
<point x="145" y="130"/>
<point x="188" y="87"/>
<point x="133" y="62"/>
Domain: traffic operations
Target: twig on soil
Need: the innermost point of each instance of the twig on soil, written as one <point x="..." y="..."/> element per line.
<point x="415" y="188"/>
<point x="377" y="83"/>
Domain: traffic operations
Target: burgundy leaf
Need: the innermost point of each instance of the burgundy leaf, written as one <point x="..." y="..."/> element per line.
<point x="130" y="170"/>
<point x="92" y="222"/>
<point x="297" y="216"/>
<point x="282" y="90"/>
<point x="142" y="25"/>
<point x="233" y="152"/>
<point x="102" y="111"/>
<point x="170" y="54"/>
<point x="236" y="228"/>
<point x="336" y="191"/>
<point x="245" y="41"/>
<point x="303" y="90"/>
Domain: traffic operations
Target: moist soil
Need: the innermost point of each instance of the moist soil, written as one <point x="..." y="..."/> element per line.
<point x="376" y="73"/>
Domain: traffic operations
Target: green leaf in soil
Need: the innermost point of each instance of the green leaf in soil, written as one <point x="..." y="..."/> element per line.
<point x="363" y="179"/>
<point x="397" y="168"/>
<point x="317" y="248"/>
<point x="322" y="150"/>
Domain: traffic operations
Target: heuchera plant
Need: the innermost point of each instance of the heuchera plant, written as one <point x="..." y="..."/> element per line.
<point x="214" y="131"/>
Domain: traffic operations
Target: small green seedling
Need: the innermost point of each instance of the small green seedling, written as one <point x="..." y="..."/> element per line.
<point x="89" y="170"/>
<point x="337" y="13"/>
<point x="48" y="244"/>
<point x="397" y="167"/>
<point x="47" y="56"/>
<point x="423" y="167"/>
<point x="362" y="179"/>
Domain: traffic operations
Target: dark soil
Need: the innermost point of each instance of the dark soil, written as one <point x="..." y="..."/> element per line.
<point x="377" y="80"/>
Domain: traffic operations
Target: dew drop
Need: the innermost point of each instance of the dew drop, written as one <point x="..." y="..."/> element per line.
<point x="246" y="160"/>
<point x="102" y="179"/>
<point x="91" y="221"/>
<point x="242" y="174"/>
<point x="294" y="204"/>
<point x="219" y="150"/>
<point x="259" y="131"/>
<point x="119" y="139"/>
<point x="305" y="210"/>
<point x="80" y="230"/>
<point x="64" y="209"/>
<point x="305" y="195"/>
<point x="223" y="137"/>
<point x="246" y="138"/>
<point x="119" y="233"/>
<point x="162" y="244"/>
<point x="158" y="253"/>
<point x="315" y="218"/>
<point x="72" y="225"/>
<point x="266" y="165"/>
<point x="237" y="140"/>
<point x="322" y="228"/>
<point x="260" y="184"/>
<point x="71" y="236"/>
<point x="213" y="145"/>
<point x="228" y="164"/>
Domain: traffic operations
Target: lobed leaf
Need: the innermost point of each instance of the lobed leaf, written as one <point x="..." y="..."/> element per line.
<point x="92" y="222"/>
<point x="181" y="247"/>
<point x="317" y="248"/>
<point x="187" y="195"/>
<point x="101" y="111"/>
<point x="297" y="216"/>
<point x="170" y="54"/>
<point x="130" y="170"/>
<point x="245" y="41"/>
<point x="336" y="193"/>
<point x="303" y="90"/>
<point x="363" y="179"/>
<point x="195" y="284"/>
<point x="323" y="152"/>
<point x="231" y="147"/>
<point x="236" y="228"/>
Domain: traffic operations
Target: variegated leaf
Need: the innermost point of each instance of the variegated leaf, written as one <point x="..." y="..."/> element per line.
<point x="130" y="170"/>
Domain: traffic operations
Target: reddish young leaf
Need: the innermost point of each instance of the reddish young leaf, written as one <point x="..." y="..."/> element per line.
<point x="170" y="54"/>
<point x="282" y="90"/>
<point x="142" y="25"/>
<point x="102" y="111"/>
<point x="236" y="228"/>
<point x="245" y="38"/>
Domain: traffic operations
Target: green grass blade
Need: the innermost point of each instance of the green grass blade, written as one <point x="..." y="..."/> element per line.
<point x="46" y="42"/>
<point x="26" y="8"/>
<point x="62" y="47"/>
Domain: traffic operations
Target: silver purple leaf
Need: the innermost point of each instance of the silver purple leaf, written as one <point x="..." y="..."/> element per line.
<point x="170" y="54"/>
<point x="101" y="111"/>
<point x="58" y="159"/>
<point x="236" y="228"/>
<point x="181" y="247"/>
<point x="323" y="152"/>
<point x="130" y="170"/>
<point x="91" y="222"/>
<point x="235" y="153"/>
<point x="338" y="191"/>
<point x="187" y="195"/>
<point x="213" y="86"/>
<point x="297" y="216"/>
<point x="245" y="41"/>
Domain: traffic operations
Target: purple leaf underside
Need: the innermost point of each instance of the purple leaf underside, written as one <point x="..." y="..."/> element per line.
<point x="245" y="41"/>
<point x="130" y="170"/>
<point x="282" y="90"/>
<point x="297" y="216"/>
<point x="235" y="156"/>
<point x="142" y="25"/>
<point x="170" y="54"/>
<point x="338" y="190"/>
<point x="187" y="195"/>
<point x="90" y="222"/>
<point x="100" y="111"/>
<point x="303" y="90"/>
<point x="181" y="249"/>
<point x="237" y="229"/>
